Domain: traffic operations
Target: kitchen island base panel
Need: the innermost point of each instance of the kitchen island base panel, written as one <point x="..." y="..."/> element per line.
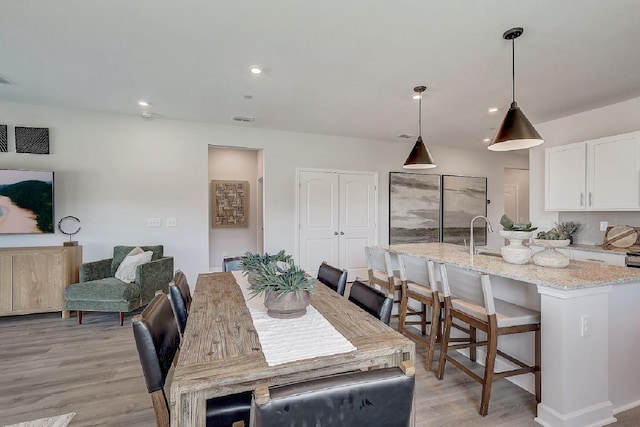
<point x="594" y="416"/>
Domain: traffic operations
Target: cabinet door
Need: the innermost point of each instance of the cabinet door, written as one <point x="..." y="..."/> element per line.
<point x="613" y="171"/>
<point x="38" y="281"/>
<point x="606" y="258"/>
<point x="565" y="177"/>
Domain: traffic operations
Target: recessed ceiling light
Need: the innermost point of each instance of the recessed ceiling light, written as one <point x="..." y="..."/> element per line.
<point x="493" y="109"/>
<point x="255" y="70"/>
<point x="146" y="114"/>
<point x="143" y="103"/>
<point x="486" y="140"/>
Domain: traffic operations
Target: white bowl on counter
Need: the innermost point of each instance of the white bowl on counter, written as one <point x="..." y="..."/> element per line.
<point x="549" y="257"/>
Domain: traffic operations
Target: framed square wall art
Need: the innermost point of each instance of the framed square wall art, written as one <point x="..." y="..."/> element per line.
<point x="463" y="197"/>
<point x="4" y="146"/>
<point x="32" y="140"/>
<point x="230" y="201"/>
<point x="414" y="208"/>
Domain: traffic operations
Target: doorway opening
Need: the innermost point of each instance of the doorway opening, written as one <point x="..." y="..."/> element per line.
<point x="242" y="165"/>
<point x="516" y="194"/>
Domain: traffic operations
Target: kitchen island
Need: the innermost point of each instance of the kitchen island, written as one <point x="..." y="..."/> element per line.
<point x="590" y="330"/>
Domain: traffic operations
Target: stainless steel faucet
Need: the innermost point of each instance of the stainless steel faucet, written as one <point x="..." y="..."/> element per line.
<point x="472" y="250"/>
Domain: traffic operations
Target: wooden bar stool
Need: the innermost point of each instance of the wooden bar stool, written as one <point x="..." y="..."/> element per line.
<point x="381" y="274"/>
<point x="468" y="298"/>
<point x="417" y="275"/>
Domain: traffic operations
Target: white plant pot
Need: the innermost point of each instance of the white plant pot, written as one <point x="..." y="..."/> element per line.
<point x="549" y="257"/>
<point x="516" y="252"/>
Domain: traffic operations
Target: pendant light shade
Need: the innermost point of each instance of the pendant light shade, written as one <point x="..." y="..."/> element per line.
<point x="516" y="131"/>
<point x="420" y="157"/>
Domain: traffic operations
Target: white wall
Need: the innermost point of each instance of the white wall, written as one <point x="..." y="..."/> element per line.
<point x="606" y="121"/>
<point x="234" y="165"/>
<point x="115" y="171"/>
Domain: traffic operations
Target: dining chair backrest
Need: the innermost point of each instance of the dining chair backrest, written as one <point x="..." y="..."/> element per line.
<point x="232" y="263"/>
<point x="180" y="298"/>
<point x="371" y="300"/>
<point x="333" y="277"/>
<point x="471" y="286"/>
<point x="378" y="260"/>
<point x="379" y="397"/>
<point x="417" y="270"/>
<point x="157" y="339"/>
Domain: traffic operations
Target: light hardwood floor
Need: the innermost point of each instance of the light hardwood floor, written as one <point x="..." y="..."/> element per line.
<point x="51" y="366"/>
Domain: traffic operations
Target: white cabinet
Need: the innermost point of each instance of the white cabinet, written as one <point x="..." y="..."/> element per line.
<point x="565" y="177"/>
<point x="598" y="175"/>
<point x="606" y="258"/>
<point x="613" y="173"/>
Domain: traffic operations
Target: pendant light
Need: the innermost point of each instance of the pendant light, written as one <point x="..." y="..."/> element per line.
<point x="420" y="157"/>
<point x="516" y="132"/>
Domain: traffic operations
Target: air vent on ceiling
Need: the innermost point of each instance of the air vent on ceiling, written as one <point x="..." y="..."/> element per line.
<point x="242" y="119"/>
<point x="405" y="135"/>
<point x="4" y="80"/>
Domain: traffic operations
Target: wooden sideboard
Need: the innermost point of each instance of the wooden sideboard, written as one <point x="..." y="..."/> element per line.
<point x="32" y="280"/>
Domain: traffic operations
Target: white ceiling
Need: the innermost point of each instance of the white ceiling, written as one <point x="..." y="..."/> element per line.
<point x="332" y="67"/>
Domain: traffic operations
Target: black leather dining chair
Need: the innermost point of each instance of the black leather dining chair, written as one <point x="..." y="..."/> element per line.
<point x="376" y="398"/>
<point x="157" y="340"/>
<point x="232" y="263"/>
<point x="372" y="300"/>
<point x="180" y="299"/>
<point x="333" y="277"/>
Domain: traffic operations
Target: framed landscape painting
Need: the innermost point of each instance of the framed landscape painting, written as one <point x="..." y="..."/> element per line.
<point x="414" y="208"/>
<point x="463" y="197"/>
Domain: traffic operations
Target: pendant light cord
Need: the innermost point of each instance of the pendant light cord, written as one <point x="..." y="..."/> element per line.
<point x="420" y="115"/>
<point x="513" y="69"/>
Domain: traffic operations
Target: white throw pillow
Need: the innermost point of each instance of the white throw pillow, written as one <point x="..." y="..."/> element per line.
<point x="127" y="269"/>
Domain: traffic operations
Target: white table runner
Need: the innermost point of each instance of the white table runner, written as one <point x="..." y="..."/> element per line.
<point x="288" y="340"/>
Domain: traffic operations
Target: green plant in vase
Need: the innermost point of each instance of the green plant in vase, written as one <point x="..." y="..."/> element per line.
<point x="285" y="286"/>
<point x="569" y="228"/>
<point x="253" y="262"/>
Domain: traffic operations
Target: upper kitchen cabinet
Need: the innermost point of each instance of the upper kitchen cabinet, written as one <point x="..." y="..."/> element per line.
<point x="598" y="175"/>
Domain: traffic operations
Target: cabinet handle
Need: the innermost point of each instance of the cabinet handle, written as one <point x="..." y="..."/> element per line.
<point x="335" y="233"/>
<point x="581" y="199"/>
<point x="590" y="198"/>
<point x="342" y="233"/>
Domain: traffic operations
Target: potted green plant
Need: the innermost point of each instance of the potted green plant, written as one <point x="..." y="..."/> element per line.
<point x="252" y="262"/>
<point x="569" y="228"/>
<point x="286" y="288"/>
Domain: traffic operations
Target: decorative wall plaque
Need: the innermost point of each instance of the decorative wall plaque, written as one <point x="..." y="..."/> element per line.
<point x="4" y="146"/>
<point x="230" y="201"/>
<point x="32" y="140"/>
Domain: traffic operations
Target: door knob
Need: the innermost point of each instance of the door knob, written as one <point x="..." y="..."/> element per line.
<point x="335" y="233"/>
<point x="342" y="233"/>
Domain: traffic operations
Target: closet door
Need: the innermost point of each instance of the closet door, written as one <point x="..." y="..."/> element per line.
<point x="318" y="218"/>
<point x="337" y="214"/>
<point x="357" y="221"/>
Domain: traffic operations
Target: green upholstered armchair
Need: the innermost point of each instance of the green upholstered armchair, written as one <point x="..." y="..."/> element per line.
<point x="99" y="290"/>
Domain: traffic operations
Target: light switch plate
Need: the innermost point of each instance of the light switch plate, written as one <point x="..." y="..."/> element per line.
<point x="154" y="222"/>
<point x="604" y="225"/>
<point x="172" y="222"/>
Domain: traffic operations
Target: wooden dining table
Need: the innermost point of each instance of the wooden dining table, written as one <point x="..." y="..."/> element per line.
<point x="220" y="352"/>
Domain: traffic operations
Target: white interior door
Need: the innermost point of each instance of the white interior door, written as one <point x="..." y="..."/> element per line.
<point x="318" y="218"/>
<point x="357" y="221"/>
<point x="511" y="202"/>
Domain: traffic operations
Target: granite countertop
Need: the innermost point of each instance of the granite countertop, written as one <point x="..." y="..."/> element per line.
<point x="576" y="275"/>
